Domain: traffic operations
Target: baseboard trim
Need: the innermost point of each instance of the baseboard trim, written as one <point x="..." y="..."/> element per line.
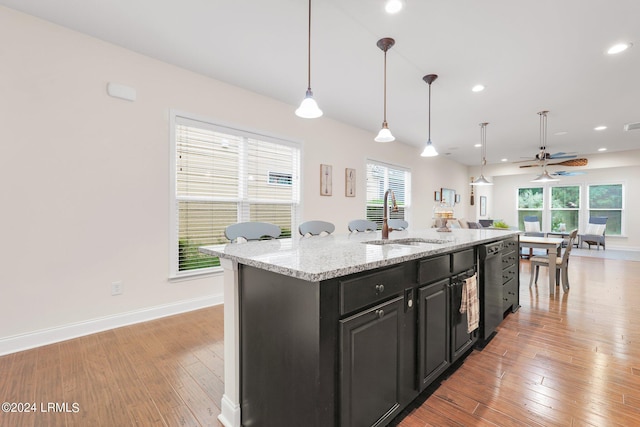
<point x="230" y="413"/>
<point x="42" y="337"/>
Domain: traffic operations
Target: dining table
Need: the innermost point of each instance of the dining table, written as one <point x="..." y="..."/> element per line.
<point x="548" y="243"/>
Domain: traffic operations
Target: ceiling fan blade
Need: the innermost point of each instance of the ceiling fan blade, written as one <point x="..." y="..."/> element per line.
<point x="563" y="156"/>
<point x="572" y="162"/>
<point x="531" y="166"/>
<point x="565" y="173"/>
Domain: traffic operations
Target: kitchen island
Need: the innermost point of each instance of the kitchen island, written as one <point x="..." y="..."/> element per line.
<point x="345" y="330"/>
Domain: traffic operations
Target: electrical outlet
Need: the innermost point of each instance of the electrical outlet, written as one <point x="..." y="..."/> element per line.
<point x="117" y="288"/>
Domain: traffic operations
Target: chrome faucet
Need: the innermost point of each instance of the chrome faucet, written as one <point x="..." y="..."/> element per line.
<point x="385" y="216"/>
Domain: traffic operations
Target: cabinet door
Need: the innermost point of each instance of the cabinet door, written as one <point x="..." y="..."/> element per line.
<point x="370" y="364"/>
<point x="461" y="340"/>
<point x="433" y="332"/>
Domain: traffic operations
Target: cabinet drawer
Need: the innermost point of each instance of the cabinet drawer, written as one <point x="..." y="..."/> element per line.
<point x="370" y="288"/>
<point x="463" y="260"/>
<point x="432" y="269"/>
<point x="509" y="258"/>
<point x="509" y="273"/>
<point x="510" y="293"/>
<point x="511" y="245"/>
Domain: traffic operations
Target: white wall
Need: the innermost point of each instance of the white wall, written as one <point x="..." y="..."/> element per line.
<point x="85" y="179"/>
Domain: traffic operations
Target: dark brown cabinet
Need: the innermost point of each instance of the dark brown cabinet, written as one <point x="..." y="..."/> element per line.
<point x="510" y="275"/>
<point x="461" y="339"/>
<point x="370" y="360"/>
<point x="350" y="351"/>
<point x="433" y="330"/>
<point x="442" y="329"/>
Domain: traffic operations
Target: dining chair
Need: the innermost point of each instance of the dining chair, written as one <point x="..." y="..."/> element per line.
<point x="398" y="224"/>
<point x="561" y="264"/>
<point x="595" y="232"/>
<point x="362" y="225"/>
<point x="252" y="231"/>
<point x="531" y="228"/>
<point x="315" y="228"/>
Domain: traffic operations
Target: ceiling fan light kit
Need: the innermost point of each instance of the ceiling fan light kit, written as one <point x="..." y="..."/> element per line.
<point x="544" y="176"/>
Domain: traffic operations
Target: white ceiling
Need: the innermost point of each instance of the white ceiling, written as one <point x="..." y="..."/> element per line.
<point x="530" y="55"/>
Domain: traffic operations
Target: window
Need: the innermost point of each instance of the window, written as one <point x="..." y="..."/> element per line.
<point x="606" y="200"/>
<point x="565" y="208"/>
<point x="530" y="202"/>
<point x="380" y="177"/>
<point x="221" y="176"/>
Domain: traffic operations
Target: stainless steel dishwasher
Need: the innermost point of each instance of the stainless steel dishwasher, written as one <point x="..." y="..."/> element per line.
<point x="490" y="289"/>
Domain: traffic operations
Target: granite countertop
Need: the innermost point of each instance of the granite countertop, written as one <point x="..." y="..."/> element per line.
<point x="325" y="257"/>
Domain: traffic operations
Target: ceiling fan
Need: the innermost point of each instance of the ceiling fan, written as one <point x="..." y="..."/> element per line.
<point x="572" y="162"/>
<point x="544" y="155"/>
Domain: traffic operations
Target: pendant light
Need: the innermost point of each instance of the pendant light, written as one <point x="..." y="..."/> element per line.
<point x="483" y="154"/>
<point x="429" y="149"/>
<point x="385" y="134"/>
<point x="309" y="108"/>
<point x="544" y="176"/>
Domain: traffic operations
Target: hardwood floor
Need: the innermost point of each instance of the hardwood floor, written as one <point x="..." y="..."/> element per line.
<point x="568" y="360"/>
<point x="166" y="372"/>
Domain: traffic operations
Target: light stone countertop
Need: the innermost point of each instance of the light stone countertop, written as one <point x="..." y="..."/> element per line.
<point x="325" y="257"/>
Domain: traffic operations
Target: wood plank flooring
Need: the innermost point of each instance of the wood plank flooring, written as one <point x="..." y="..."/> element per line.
<point x="572" y="359"/>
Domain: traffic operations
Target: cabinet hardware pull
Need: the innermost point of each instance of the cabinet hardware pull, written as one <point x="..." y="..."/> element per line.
<point x="380" y="313"/>
<point x="379" y="289"/>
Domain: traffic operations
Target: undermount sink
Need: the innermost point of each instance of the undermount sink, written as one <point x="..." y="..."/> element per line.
<point x="410" y="241"/>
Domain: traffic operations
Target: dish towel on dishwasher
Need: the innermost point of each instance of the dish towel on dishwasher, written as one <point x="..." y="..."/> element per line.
<point x="470" y="303"/>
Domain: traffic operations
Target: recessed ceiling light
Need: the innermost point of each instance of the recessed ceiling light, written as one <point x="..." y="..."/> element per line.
<point x="602" y="149"/>
<point x="600" y="128"/>
<point x="503" y="160"/>
<point x="478" y="145"/>
<point x="564" y="132"/>
<point x="478" y="88"/>
<point x="393" y="6"/>
<point x="617" y="48"/>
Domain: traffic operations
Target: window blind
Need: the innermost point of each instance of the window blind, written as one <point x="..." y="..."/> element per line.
<point x="380" y="177"/>
<point x="223" y="176"/>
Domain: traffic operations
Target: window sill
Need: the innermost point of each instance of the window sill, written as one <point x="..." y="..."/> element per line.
<point x="195" y="275"/>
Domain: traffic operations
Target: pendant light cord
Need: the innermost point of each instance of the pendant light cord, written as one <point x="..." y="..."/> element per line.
<point x="429" y="136"/>
<point x="309" y="50"/>
<point x="385" y="86"/>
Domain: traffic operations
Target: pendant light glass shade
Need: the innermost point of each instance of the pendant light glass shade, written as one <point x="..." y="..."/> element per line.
<point x="483" y="154"/>
<point x="385" y="134"/>
<point x="309" y="107"/>
<point x="482" y="181"/>
<point x="429" y="149"/>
